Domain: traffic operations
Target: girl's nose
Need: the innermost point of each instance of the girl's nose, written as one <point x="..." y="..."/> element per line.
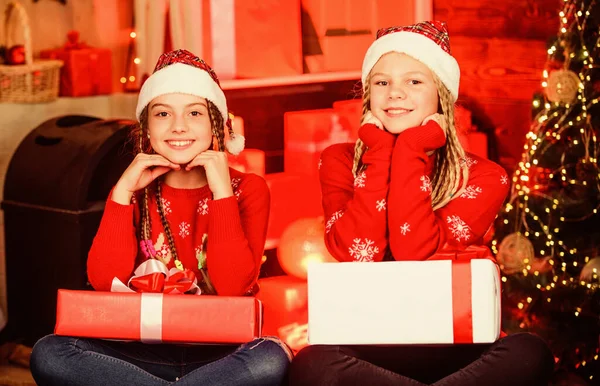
<point x="179" y="125"/>
<point x="397" y="92"/>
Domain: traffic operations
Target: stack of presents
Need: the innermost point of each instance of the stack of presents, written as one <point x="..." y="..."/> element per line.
<point x="246" y="39"/>
<point x="434" y="302"/>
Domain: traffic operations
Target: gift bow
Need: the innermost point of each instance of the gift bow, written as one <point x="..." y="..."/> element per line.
<point x="73" y="42"/>
<point x="153" y="276"/>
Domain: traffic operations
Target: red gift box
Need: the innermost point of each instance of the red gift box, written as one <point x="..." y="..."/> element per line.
<point x="156" y="317"/>
<point x="292" y="197"/>
<point x="86" y="70"/>
<point x="252" y="38"/>
<point x="285" y="302"/>
<point x="350" y="112"/>
<point x="306" y="134"/>
<point x="248" y="161"/>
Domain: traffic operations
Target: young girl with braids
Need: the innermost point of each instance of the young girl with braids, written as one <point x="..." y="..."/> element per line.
<point x="180" y="203"/>
<point x="408" y="191"/>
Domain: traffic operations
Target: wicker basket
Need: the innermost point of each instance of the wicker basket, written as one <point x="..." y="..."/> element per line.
<point x="34" y="81"/>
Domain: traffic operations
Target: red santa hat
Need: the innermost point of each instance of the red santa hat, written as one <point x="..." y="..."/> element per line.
<point x="180" y="71"/>
<point x="428" y="42"/>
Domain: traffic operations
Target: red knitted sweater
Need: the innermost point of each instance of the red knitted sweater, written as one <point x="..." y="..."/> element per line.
<point x="236" y="227"/>
<point x="388" y="205"/>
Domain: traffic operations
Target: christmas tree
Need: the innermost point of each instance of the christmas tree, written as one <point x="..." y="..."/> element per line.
<point x="547" y="237"/>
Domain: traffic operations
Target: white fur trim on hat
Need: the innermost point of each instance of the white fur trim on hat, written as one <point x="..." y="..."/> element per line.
<point x="419" y="47"/>
<point x="236" y="144"/>
<point x="184" y="79"/>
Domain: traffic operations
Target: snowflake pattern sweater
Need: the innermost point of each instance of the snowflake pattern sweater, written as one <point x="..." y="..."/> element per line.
<point x="236" y="228"/>
<point x="387" y="207"/>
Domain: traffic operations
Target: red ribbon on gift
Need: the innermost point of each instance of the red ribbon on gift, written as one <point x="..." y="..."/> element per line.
<point x="152" y="276"/>
<point x="471" y="252"/>
<point x="462" y="287"/>
<point x="462" y="313"/>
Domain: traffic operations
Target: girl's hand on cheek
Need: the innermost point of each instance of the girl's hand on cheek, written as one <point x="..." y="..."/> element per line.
<point x="439" y="119"/>
<point x="372" y="137"/>
<point x="217" y="172"/>
<point x="370" y="118"/>
<point x="144" y="169"/>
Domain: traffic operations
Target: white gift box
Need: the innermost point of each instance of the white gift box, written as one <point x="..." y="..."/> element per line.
<point x="404" y="302"/>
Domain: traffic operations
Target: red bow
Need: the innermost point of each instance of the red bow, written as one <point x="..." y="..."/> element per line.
<point x="157" y="282"/>
<point x="152" y="276"/>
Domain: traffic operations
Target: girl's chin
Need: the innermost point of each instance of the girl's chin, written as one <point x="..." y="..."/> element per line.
<point x="181" y="161"/>
<point x="396" y="129"/>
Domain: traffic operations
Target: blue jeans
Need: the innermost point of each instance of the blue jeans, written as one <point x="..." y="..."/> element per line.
<point x="66" y="361"/>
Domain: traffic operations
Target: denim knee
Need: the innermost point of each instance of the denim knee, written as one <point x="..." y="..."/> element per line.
<point x="47" y="354"/>
<point x="270" y="359"/>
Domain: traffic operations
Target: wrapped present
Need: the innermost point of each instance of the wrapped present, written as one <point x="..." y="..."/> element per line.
<point x="463" y="119"/>
<point x="151" y="308"/>
<point x="86" y="70"/>
<point x="337" y="33"/>
<point x="476" y="143"/>
<point x="292" y="197"/>
<point x="306" y="134"/>
<point x="248" y="161"/>
<point x="250" y="38"/>
<point x="350" y="113"/>
<point x="285" y="307"/>
<point x="157" y="317"/>
<point x="404" y="302"/>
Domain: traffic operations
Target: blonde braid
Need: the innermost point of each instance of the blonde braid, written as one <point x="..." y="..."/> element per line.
<point x="360" y="147"/>
<point x="450" y="168"/>
<point x="218" y="125"/>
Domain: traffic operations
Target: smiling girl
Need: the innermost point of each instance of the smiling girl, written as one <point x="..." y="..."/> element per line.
<point x="177" y="202"/>
<point x="408" y="191"/>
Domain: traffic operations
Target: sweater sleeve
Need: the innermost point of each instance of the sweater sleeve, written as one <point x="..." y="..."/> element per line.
<point x="114" y="249"/>
<point x="416" y="231"/>
<point x="237" y="230"/>
<point x="355" y="208"/>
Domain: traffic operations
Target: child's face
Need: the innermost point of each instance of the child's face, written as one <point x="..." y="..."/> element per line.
<point x="179" y="126"/>
<point x="403" y="92"/>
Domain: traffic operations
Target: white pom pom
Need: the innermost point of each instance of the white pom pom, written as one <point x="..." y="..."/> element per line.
<point x="236" y="144"/>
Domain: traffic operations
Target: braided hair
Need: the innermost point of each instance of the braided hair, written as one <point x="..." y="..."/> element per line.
<point x="449" y="168"/>
<point x="139" y="135"/>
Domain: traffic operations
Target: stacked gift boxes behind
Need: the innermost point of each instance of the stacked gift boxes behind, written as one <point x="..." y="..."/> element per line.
<point x="247" y="39"/>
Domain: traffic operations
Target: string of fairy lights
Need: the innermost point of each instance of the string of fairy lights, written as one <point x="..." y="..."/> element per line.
<point x="128" y="76"/>
<point x="554" y="120"/>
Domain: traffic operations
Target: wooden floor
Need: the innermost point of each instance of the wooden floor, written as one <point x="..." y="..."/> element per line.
<point x="12" y="375"/>
<point x="14" y="365"/>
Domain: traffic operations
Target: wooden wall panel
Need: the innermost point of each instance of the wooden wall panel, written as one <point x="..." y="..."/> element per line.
<point x="499" y="67"/>
<point x="501" y="49"/>
<point x="529" y="19"/>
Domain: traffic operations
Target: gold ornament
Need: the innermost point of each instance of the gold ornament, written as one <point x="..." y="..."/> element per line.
<point x="562" y="86"/>
<point x="590" y="269"/>
<point x="514" y="253"/>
